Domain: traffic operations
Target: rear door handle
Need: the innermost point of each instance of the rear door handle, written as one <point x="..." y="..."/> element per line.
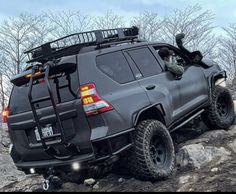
<point x="151" y="87"/>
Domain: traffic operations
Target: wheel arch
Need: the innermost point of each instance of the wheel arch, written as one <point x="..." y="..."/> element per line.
<point x="213" y="78"/>
<point x="213" y="116"/>
<point x="217" y="76"/>
<point x="155" y="111"/>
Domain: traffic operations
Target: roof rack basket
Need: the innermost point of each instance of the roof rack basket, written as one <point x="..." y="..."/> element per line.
<point x="70" y="45"/>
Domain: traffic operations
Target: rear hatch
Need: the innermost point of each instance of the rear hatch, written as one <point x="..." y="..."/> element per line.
<point x="30" y="130"/>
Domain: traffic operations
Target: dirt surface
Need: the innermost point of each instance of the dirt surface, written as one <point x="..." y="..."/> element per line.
<point x="216" y="175"/>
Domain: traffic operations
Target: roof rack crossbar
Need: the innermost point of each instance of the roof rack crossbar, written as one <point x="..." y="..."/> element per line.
<point x="72" y="44"/>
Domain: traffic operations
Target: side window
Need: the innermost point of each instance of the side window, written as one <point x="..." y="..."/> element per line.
<point x="145" y="61"/>
<point x="116" y="67"/>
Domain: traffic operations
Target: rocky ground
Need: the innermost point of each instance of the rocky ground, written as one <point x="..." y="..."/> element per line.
<point x="205" y="162"/>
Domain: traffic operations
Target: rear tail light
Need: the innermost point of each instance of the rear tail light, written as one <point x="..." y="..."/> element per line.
<point x="93" y="104"/>
<point x="5" y="114"/>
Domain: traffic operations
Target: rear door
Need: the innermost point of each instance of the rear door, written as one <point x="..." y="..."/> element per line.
<point x="160" y="86"/>
<point x="22" y="123"/>
<point x="115" y="83"/>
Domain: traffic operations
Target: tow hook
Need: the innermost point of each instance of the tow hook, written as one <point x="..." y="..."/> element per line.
<point x="47" y="183"/>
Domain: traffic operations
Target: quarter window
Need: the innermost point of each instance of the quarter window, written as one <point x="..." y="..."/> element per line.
<point x="116" y="67"/>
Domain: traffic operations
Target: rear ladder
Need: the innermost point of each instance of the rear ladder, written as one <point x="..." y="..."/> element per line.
<point x="50" y="150"/>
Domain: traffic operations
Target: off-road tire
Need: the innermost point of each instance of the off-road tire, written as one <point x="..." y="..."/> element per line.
<point x="220" y="114"/>
<point x="140" y="162"/>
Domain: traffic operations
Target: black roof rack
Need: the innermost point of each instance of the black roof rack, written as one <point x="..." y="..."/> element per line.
<point x="70" y="45"/>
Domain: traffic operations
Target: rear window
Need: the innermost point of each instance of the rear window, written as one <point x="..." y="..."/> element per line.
<point x="116" y="67"/>
<point x="19" y="101"/>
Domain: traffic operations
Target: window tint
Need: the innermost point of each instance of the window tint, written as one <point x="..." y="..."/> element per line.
<point x="19" y="101"/>
<point x="145" y="61"/>
<point x="115" y="66"/>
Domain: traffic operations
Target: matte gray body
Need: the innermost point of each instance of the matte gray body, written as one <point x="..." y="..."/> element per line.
<point x="175" y="99"/>
<point x="178" y="97"/>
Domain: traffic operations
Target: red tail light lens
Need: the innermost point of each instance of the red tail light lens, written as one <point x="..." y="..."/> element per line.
<point x="5" y="114"/>
<point x="93" y="104"/>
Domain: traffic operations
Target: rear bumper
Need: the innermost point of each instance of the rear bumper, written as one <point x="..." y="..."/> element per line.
<point x="104" y="150"/>
<point x="54" y="163"/>
<point x="40" y="166"/>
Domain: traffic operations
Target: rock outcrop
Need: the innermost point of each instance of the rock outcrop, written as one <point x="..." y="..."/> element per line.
<point x="205" y="163"/>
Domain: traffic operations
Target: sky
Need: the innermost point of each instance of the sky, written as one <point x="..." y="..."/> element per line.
<point x="224" y="10"/>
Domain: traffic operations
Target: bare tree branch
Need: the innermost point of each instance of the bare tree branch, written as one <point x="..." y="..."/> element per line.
<point x="66" y="23"/>
<point x="197" y="26"/>
<point x="18" y="34"/>
<point x="227" y="50"/>
<point x="150" y="25"/>
<point x="108" y="21"/>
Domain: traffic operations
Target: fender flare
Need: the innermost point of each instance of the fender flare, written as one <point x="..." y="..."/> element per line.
<point x="216" y="76"/>
<point x="158" y="106"/>
<point x="212" y="80"/>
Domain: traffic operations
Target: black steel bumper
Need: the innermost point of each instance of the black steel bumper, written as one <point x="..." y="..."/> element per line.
<point x="41" y="167"/>
<point x="104" y="150"/>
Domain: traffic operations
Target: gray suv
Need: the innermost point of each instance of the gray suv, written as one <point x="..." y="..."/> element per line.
<point x="89" y="99"/>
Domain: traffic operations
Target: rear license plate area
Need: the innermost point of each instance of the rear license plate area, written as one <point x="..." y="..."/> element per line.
<point x="46" y="131"/>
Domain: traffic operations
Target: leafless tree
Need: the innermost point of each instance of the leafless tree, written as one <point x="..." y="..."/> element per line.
<point x="4" y="86"/>
<point x="197" y="24"/>
<point x="150" y="25"/>
<point x="67" y="22"/>
<point x="2" y="93"/>
<point x="108" y="21"/>
<point x="17" y="34"/>
<point x="227" y="50"/>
